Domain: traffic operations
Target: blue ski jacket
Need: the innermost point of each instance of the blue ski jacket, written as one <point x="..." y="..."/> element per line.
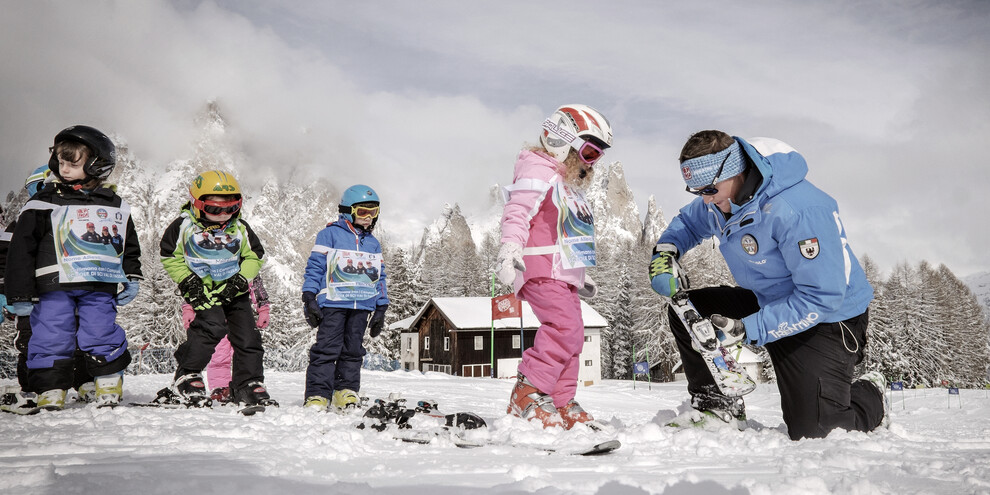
<point x="786" y="244"/>
<point x="342" y="235"/>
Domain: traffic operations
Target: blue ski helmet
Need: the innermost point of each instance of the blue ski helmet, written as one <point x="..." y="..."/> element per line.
<point x="355" y="195"/>
<point x="36" y="180"/>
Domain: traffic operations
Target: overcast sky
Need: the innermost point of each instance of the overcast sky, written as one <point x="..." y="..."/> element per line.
<point x="429" y="102"/>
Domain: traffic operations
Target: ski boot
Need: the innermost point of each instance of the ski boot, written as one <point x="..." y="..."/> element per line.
<point x="572" y="413"/>
<point x="221" y="395"/>
<point x="86" y="392"/>
<point x="19" y="402"/>
<point x="529" y="403"/>
<point x="877" y="380"/>
<point x="109" y="389"/>
<point x="189" y="390"/>
<point x="52" y="400"/>
<point x="713" y="410"/>
<point x="254" y="394"/>
<point x="344" y="400"/>
<point x="317" y="403"/>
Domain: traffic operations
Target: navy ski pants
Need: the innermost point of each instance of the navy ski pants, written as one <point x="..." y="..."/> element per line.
<point x="814" y="368"/>
<point x="336" y="357"/>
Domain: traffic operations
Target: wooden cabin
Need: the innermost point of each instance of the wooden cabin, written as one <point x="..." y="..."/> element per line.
<point x="454" y="335"/>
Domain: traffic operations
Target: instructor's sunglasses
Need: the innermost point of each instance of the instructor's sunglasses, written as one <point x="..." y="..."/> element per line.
<point x="220" y="207"/>
<point x="710" y="189"/>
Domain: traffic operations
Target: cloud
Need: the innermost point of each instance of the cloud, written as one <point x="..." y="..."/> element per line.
<point x="430" y="103"/>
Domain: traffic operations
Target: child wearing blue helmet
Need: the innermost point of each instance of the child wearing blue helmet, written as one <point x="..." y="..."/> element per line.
<point x="341" y="303"/>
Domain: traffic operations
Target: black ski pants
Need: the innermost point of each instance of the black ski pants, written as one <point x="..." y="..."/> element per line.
<point x="234" y="320"/>
<point x="814" y="368"/>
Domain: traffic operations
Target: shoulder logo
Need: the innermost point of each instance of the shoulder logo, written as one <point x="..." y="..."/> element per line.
<point x="809" y="248"/>
<point x="749" y="244"/>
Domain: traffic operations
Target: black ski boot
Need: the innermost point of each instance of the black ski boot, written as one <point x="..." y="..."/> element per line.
<point x="254" y="394"/>
<point x="190" y="390"/>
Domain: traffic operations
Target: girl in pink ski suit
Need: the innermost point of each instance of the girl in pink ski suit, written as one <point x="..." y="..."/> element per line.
<point x="547" y="241"/>
<point x="218" y="371"/>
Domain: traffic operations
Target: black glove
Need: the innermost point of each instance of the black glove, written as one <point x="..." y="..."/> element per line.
<point x="192" y="290"/>
<point x="232" y="287"/>
<point x="311" y="309"/>
<point x="377" y="322"/>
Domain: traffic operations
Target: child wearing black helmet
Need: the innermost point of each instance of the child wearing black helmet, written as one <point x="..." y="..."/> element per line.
<point x="68" y="285"/>
<point x="343" y="303"/>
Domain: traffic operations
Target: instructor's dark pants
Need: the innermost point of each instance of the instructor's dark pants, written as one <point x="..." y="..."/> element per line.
<point x="814" y="368"/>
<point x="236" y="321"/>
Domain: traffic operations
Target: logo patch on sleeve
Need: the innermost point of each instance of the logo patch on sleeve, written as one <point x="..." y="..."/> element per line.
<point x="809" y="248"/>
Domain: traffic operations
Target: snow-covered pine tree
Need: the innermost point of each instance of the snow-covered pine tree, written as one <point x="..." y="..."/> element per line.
<point x="879" y="334"/>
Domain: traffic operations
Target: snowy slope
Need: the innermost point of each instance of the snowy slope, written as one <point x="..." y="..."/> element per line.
<point x="930" y="448"/>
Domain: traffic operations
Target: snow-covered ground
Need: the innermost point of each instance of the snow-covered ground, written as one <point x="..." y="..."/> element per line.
<point x="930" y="447"/>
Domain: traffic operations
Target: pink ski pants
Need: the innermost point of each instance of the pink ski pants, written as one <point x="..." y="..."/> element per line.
<point x="552" y="364"/>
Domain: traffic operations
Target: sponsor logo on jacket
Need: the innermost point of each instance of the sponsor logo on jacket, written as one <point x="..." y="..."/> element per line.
<point x="786" y="328"/>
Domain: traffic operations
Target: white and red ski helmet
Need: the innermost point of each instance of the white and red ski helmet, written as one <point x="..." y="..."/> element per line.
<point x="580" y="120"/>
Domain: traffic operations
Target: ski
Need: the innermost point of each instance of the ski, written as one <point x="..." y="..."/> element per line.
<point x="596" y="449"/>
<point x="245" y="410"/>
<point x="730" y="377"/>
<point x="460" y="441"/>
<point x="167" y="399"/>
<point x="385" y="413"/>
<point x="24" y="404"/>
<point x="426" y="424"/>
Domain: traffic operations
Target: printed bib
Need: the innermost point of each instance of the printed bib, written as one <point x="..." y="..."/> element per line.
<point x="575" y="226"/>
<point x="210" y="250"/>
<point x="90" y="242"/>
<point x="352" y="275"/>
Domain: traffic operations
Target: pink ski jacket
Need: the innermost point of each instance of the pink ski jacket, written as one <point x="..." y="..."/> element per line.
<point x="530" y="219"/>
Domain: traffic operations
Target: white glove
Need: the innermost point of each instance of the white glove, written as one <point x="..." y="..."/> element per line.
<point x="590" y="287"/>
<point x="509" y="260"/>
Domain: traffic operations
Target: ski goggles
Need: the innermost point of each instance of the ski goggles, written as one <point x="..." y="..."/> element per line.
<point x="218" y="207"/>
<point x="364" y="211"/>
<point x="710" y="189"/>
<point x="588" y="152"/>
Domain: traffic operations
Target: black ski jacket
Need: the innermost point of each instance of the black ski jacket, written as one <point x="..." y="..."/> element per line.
<point x="31" y="260"/>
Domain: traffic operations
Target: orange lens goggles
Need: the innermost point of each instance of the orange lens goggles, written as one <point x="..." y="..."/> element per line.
<point x="364" y="211"/>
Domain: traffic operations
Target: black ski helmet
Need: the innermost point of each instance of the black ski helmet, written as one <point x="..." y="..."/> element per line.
<point x="101" y="164"/>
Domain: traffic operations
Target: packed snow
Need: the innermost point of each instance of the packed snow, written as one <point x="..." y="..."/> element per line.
<point x="937" y="443"/>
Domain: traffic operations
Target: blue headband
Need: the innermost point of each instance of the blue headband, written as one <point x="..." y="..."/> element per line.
<point x="700" y="171"/>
